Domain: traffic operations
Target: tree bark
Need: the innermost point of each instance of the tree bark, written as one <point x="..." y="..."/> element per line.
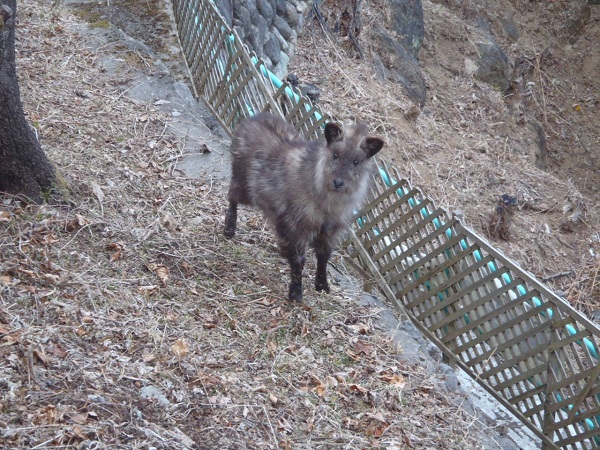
<point x="24" y="168"/>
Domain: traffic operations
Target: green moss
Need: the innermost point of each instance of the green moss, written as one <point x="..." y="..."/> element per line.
<point x="100" y="24"/>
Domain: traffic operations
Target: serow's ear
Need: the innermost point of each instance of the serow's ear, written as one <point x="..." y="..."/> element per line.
<point x="372" y="145"/>
<point x="333" y="133"/>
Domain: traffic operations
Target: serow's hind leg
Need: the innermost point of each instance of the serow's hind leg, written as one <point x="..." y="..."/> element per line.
<point x="230" y="220"/>
<point x="295" y="253"/>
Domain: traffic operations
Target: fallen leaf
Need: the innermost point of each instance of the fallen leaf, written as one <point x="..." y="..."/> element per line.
<point x="364" y="347"/>
<point x="320" y="390"/>
<point x="274" y="400"/>
<point x="162" y="272"/>
<point x="56" y="350"/>
<point x="378" y="417"/>
<point x="97" y="191"/>
<point x="148" y="290"/>
<point x="359" y="328"/>
<point x="180" y="348"/>
<point x="357" y="388"/>
<point x="80" y="419"/>
<point x="40" y="355"/>
<point x="6" y="280"/>
<point x="148" y="357"/>
<point x="51" y="277"/>
<point x="376" y="431"/>
<point x="395" y="380"/>
<point x="117" y="251"/>
<point x="77" y="223"/>
<point x="4" y="216"/>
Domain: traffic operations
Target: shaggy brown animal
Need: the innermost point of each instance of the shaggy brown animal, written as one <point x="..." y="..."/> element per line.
<point x="307" y="190"/>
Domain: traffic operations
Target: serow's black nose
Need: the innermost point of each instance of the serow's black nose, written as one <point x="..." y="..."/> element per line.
<point x="338" y="183"/>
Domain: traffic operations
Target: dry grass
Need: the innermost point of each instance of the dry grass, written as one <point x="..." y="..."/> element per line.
<point x="470" y="144"/>
<point x="126" y="321"/>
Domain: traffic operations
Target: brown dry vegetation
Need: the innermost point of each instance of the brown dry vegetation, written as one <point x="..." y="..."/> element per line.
<point x="471" y="143"/>
<point x="127" y="321"/>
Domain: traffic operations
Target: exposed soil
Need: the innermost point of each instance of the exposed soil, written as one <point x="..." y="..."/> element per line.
<point x="470" y="144"/>
<point x="127" y="321"/>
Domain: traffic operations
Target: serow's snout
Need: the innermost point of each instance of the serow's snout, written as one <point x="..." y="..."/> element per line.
<point x="338" y="183"/>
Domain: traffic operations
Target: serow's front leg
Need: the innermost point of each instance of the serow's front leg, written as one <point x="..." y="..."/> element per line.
<point x="323" y="252"/>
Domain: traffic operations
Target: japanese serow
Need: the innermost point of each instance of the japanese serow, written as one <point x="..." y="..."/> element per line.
<point x="308" y="191"/>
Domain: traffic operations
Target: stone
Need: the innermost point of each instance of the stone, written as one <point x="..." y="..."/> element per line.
<point x="301" y="7"/>
<point x="283" y="27"/>
<point x="509" y="28"/>
<point x="407" y="22"/>
<point x="253" y="40"/>
<point x="493" y="66"/>
<point x="225" y="7"/>
<point x="291" y="15"/>
<point x="283" y="44"/>
<point x="272" y="49"/>
<point x="311" y="91"/>
<point x="395" y="63"/>
<point x="280" y="7"/>
<point x="265" y="10"/>
<point x="245" y="19"/>
<point x="254" y="14"/>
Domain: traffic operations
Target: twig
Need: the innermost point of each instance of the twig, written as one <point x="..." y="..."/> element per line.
<point x="557" y="275"/>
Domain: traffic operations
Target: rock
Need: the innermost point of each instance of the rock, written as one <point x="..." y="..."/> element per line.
<point x="283" y="27"/>
<point x="263" y="31"/>
<point x="225" y="7"/>
<point x="493" y="66"/>
<point x="301" y="7"/>
<point x="407" y="23"/>
<point x="265" y="10"/>
<point x="253" y="40"/>
<point x="291" y="15"/>
<point x="283" y="44"/>
<point x="254" y="14"/>
<point x="280" y="7"/>
<point x="395" y="63"/>
<point x="272" y="49"/>
<point x="509" y="28"/>
<point x="243" y="16"/>
<point x="311" y="91"/>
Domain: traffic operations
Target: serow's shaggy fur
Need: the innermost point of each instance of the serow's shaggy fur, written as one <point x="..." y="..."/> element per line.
<point x="308" y="191"/>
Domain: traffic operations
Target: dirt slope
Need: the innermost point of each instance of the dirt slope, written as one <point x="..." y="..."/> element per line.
<point x="471" y="143"/>
<point x="126" y="321"/>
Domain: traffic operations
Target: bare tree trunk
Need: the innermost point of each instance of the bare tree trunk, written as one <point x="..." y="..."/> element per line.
<point x="24" y="168"/>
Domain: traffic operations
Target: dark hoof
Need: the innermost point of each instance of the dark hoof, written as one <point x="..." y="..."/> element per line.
<point x="295" y="294"/>
<point x="229" y="232"/>
<point x="321" y="286"/>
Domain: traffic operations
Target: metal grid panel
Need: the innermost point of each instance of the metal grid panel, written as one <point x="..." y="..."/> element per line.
<point x="234" y="82"/>
<point x="531" y="350"/>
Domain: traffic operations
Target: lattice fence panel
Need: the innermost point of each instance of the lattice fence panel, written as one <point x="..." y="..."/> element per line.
<point x="530" y="349"/>
<point x="234" y="82"/>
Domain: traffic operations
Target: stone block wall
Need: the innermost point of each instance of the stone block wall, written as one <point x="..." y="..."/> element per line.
<point x="269" y="27"/>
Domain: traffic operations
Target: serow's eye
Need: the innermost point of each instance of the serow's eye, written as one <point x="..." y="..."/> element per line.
<point x="356" y="162"/>
<point x="335" y="156"/>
